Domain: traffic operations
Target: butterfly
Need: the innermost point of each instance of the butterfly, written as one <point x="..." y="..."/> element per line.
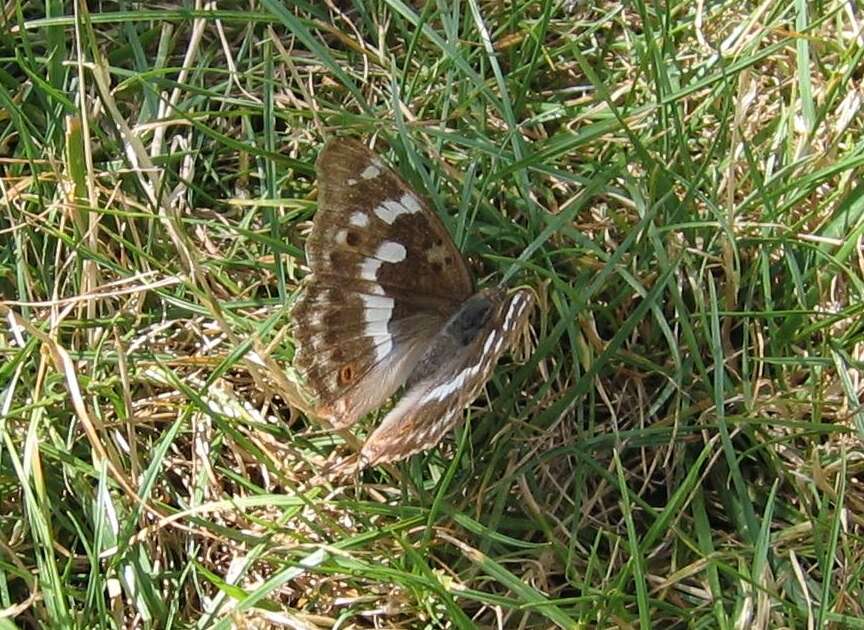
<point x="391" y="303"/>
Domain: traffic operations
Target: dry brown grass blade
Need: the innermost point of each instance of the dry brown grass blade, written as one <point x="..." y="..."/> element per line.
<point x="65" y="366"/>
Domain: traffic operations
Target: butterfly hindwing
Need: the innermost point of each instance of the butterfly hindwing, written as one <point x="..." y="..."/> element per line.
<point x="453" y="370"/>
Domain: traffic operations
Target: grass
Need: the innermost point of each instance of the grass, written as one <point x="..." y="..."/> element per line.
<point x="677" y="444"/>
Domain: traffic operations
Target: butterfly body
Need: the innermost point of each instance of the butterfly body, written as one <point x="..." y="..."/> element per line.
<point x="391" y="303"/>
<point x="462" y="328"/>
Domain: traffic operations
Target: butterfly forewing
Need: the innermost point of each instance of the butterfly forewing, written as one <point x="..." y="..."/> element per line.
<point x="385" y="277"/>
<point x="453" y="370"/>
<point x="371" y="225"/>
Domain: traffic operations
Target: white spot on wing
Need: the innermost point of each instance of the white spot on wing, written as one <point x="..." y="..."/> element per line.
<point x="375" y="301"/>
<point x="391" y="210"/>
<point x="377" y="312"/>
<point x="410" y="203"/>
<point x="378" y="328"/>
<point x="391" y="252"/>
<point x="369" y="269"/>
<point x="498" y="345"/>
<point x="490" y="340"/>
<point x="387" y="252"/>
<point x="388" y="211"/>
<point x="370" y="171"/>
<point x="443" y="391"/>
<point x="517" y="305"/>
<point x="383" y="347"/>
<point x="360" y="219"/>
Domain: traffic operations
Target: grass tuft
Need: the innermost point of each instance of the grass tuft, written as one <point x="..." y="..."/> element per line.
<point x="677" y="442"/>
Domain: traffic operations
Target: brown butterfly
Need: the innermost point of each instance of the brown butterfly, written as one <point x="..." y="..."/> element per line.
<point x="391" y="303"/>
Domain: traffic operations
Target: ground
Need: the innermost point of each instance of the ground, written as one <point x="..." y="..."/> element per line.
<point x="675" y="442"/>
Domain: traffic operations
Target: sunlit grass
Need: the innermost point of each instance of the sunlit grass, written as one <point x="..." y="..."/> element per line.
<point x="678" y="443"/>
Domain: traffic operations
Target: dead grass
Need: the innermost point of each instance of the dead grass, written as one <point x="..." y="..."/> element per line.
<point x="678" y="445"/>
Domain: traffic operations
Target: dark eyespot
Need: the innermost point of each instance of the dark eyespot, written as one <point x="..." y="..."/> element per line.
<point x="448" y="260"/>
<point x="437" y="267"/>
<point x="352" y="238"/>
